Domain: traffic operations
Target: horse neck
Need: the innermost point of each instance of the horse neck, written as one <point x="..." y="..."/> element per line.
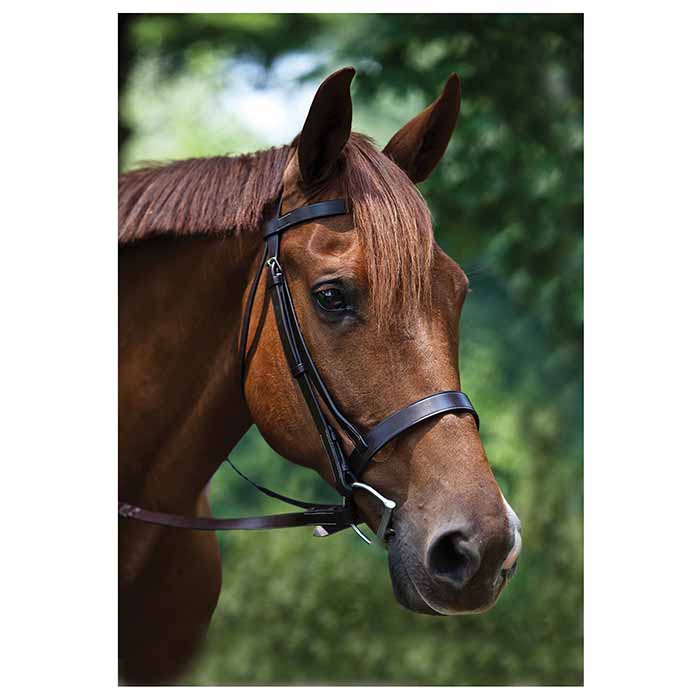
<point x="181" y="409"/>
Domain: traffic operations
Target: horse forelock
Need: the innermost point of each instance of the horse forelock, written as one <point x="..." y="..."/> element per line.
<point x="394" y="222"/>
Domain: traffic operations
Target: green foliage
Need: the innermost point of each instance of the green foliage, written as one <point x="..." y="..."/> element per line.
<point x="186" y="120"/>
<point x="507" y="204"/>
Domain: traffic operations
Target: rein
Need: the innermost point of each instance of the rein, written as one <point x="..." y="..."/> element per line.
<point x="328" y="518"/>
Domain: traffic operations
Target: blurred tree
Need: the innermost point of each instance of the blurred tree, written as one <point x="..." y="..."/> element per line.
<point x="513" y="178"/>
<point x="173" y="38"/>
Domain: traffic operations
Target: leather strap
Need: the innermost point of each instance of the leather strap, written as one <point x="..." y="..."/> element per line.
<point x="274" y="494"/>
<point x="300" y="364"/>
<point x="350" y="430"/>
<point x="333" y="207"/>
<point x="404" y="419"/>
<point x="332" y="518"/>
<point x="290" y="323"/>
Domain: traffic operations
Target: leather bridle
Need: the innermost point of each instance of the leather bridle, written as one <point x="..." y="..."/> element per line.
<point x="329" y="518"/>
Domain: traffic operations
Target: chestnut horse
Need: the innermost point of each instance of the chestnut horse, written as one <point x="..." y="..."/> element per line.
<point x="379" y="305"/>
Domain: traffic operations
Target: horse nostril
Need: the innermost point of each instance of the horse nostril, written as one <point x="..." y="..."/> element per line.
<point x="453" y="558"/>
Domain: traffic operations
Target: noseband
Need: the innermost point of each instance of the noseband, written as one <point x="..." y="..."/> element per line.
<point x="346" y="470"/>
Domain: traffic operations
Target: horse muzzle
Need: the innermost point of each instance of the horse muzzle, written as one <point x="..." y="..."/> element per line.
<point x="459" y="570"/>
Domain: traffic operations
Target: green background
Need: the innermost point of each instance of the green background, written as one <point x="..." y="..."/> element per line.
<point x="507" y="203"/>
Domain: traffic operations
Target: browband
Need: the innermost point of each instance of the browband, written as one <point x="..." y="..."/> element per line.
<point x="333" y="207"/>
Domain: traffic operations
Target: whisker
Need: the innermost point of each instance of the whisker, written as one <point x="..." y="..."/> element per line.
<point x="485" y="266"/>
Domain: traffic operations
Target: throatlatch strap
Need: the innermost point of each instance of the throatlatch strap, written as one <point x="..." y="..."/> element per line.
<point x="274" y="494"/>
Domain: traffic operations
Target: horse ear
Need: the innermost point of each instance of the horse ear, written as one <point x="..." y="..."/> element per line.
<point x="418" y="146"/>
<point x="327" y="127"/>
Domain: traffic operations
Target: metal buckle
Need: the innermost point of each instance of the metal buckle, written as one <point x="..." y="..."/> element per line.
<point x="274" y="264"/>
<point x="387" y="510"/>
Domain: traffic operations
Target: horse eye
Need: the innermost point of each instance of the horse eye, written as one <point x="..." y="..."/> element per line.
<point x="330" y="299"/>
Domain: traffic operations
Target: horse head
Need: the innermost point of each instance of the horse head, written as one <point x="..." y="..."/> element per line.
<point x="379" y="304"/>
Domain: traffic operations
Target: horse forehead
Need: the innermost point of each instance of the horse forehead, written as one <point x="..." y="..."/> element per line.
<point x="334" y="244"/>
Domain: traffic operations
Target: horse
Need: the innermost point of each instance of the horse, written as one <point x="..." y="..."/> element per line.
<point x="379" y="304"/>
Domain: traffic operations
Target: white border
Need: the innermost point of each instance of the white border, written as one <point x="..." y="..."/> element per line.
<point x="58" y="287"/>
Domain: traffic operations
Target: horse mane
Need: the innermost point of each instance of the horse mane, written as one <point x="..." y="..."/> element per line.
<point x="214" y="196"/>
<point x="224" y="196"/>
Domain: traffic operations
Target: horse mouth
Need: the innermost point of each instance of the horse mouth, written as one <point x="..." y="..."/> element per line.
<point x="406" y="592"/>
<point x="409" y="595"/>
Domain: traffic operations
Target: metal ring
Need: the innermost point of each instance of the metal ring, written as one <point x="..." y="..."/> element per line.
<point x="386" y="502"/>
<point x="387" y="508"/>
